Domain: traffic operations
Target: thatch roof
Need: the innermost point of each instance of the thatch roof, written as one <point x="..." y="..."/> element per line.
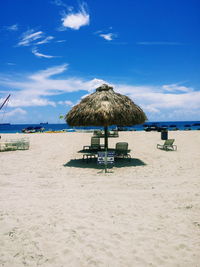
<point x="104" y="108"/>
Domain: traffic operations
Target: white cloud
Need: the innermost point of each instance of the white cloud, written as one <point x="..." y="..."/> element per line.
<point x="160" y="104"/>
<point x="10" y="63"/>
<point x="60" y="41"/>
<point x="16" y="111"/>
<point x="164" y="102"/>
<point x="176" y="88"/>
<point x="151" y="109"/>
<point x="66" y="102"/>
<point x="29" y="36"/>
<point x="37" y="54"/>
<point x="59" y="3"/>
<point x="27" y="99"/>
<point x="45" y="40"/>
<point x="45" y="74"/>
<point x="32" y="37"/>
<point x="108" y="36"/>
<point x="13" y="27"/>
<point x="76" y="20"/>
<point x="34" y="89"/>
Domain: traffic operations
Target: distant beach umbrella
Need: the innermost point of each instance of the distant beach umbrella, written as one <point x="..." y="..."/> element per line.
<point x="104" y="108"/>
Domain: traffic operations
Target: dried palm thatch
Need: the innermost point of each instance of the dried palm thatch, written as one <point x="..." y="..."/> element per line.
<point x="104" y="108"/>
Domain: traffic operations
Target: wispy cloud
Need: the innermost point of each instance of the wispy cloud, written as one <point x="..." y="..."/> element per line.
<point x="29" y="37"/>
<point x="34" y="89"/>
<point x="13" y="27"/>
<point x="38" y="54"/>
<point x="16" y="111"/>
<point x="158" y="43"/>
<point x="160" y="103"/>
<point x="108" y="36"/>
<point x="11" y="63"/>
<point x="45" y="40"/>
<point x="61" y="41"/>
<point x="32" y="37"/>
<point x="75" y="20"/>
<point x="163" y="102"/>
<point x="49" y="72"/>
<point x="175" y="87"/>
<point x="59" y="3"/>
<point x="66" y="103"/>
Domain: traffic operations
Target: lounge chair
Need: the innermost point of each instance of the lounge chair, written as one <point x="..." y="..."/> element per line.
<point x="8" y="146"/>
<point x="22" y="144"/>
<point x="99" y="133"/>
<point x="113" y="133"/>
<point x="122" y="151"/>
<point x="168" y="145"/>
<point x="95" y="144"/>
<point x="14" y="144"/>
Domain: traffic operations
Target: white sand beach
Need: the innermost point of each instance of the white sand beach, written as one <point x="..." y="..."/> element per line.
<point x="56" y="210"/>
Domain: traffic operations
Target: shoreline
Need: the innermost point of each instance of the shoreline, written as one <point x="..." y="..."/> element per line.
<point x="92" y="130"/>
<point x="168" y="125"/>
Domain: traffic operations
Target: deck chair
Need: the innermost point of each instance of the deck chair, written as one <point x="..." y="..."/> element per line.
<point x="8" y="146"/>
<point x="97" y="133"/>
<point x="113" y="133"/>
<point x="95" y="144"/>
<point x="22" y="144"/>
<point x="121" y="150"/>
<point x="168" y="145"/>
<point x="14" y="144"/>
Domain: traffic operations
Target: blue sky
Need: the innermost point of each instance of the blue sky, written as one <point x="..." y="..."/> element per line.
<point x="54" y="52"/>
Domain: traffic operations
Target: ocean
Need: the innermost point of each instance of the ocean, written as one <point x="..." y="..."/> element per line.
<point x="170" y="125"/>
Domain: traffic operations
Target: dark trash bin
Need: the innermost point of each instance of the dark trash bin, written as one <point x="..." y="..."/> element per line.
<point x="164" y="134"/>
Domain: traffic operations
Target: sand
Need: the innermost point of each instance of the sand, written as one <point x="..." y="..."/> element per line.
<point x="57" y="211"/>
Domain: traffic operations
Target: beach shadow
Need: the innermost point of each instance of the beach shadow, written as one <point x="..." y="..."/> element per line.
<point x="92" y="163"/>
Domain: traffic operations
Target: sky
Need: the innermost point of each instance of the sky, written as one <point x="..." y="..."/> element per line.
<point x="55" y="52"/>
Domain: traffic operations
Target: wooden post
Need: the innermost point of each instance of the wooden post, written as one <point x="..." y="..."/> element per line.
<point x="106" y="137"/>
<point x="106" y="146"/>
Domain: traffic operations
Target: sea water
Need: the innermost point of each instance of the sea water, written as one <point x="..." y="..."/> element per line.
<point x="170" y="125"/>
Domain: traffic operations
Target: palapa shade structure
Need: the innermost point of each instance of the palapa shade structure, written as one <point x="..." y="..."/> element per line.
<point x="105" y="108"/>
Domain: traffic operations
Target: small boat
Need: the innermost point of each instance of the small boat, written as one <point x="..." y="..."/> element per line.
<point x="28" y="130"/>
<point x="31" y="129"/>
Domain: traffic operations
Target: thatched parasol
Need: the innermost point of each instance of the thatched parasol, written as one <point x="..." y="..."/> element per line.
<point x="105" y="108"/>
